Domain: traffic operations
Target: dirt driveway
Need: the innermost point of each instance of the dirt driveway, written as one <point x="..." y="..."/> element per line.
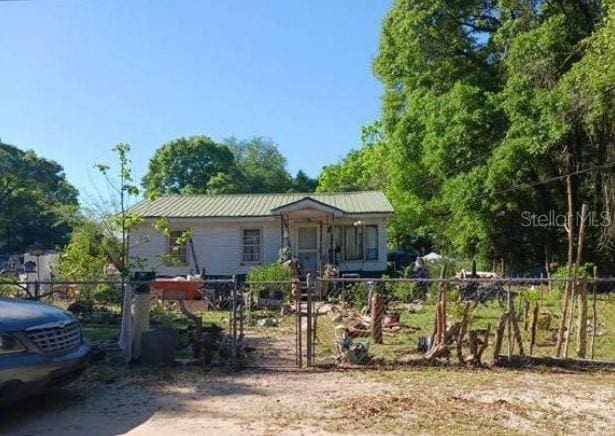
<point x="111" y="401"/>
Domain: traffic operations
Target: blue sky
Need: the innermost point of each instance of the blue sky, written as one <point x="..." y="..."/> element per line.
<point x="78" y="76"/>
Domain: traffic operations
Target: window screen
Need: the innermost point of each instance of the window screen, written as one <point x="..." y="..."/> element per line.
<point x="251" y="245"/>
<point x="371" y="242"/>
<point x="353" y="242"/>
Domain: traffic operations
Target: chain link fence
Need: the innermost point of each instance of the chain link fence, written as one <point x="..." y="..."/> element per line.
<point x="468" y="321"/>
<point x="205" y="314"/>
<point x="353" y="321"/>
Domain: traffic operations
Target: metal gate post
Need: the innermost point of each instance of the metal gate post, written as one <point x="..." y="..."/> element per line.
<point x="234" y="317"/>
<point x="296" y="293"/>
<point x="315" y="322"/>
<point x="510" y="321"/>
<point x="308" y="334"/>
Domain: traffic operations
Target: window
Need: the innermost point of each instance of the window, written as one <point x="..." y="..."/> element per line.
<point x="177" y="246"/>
<point x="353" y="242"/>
<point x="371" y="242"/>
<point x="251" y="245"/>
<point x="358" y="242"/>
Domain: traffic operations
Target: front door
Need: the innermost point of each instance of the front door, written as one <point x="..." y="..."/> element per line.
<point x="308" y="247"/>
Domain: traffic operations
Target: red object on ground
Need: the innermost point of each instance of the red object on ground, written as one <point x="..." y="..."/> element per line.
<point x="178" y="289"/>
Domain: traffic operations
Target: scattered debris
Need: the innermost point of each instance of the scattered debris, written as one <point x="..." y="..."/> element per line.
<point x="267" y="322"/>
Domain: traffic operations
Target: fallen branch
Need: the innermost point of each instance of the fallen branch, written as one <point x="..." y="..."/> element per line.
<point x="558" y="362"/>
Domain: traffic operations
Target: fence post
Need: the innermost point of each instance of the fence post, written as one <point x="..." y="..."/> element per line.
<point x="308" y="309"/>
<point x="315" y="321"/>
<point x="510" y="322"/>
<point x="594" y="316"/>
<point x="296" y="293"/>
<point x="377" y="312"/>
<point x="234" y="317"/>
<point x="582" y="321"/>
<point x="37" y="290"/>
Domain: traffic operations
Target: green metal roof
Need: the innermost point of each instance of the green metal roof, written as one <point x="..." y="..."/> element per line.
<point x="246" y="205"/>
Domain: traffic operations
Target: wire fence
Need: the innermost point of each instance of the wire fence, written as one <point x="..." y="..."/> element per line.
<point x="467" y="321"/>
<point x="204" y="313"/>
<point x="352" y="321"/>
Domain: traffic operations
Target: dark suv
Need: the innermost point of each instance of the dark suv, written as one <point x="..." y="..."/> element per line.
<point x="41" y="347"/>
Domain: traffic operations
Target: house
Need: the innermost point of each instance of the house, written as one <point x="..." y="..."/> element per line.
<point x="232" y="232"/>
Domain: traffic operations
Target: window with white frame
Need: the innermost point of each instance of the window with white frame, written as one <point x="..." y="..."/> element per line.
<point x="371" y="242"/>
<point x="356" y="242"/>
<point x="177" y="246"/>
<point x="251" y="240"/>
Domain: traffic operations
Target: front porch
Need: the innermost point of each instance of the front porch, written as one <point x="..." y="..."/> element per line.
<point x="317" y="234"/>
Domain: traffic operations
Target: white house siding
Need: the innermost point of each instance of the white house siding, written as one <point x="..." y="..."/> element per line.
<point x="217" y="243"/>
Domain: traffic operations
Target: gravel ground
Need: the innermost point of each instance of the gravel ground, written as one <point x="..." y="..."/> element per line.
<point x="109" y="401"/>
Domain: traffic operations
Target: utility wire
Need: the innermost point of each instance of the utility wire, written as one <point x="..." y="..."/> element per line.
<point x="554" y="179"/>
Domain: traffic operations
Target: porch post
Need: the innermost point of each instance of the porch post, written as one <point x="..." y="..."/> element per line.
<point x="281" y="232"/>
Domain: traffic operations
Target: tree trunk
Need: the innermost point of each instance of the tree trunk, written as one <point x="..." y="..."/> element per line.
<point x="570" y="230"/>
<point x="582" y="323"/>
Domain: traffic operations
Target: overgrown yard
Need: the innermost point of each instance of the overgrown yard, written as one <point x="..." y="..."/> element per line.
<point x="114" y="400"/>
<point x="417" y="320"/>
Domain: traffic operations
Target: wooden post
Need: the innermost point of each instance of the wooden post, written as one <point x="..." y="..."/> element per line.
<point x="533" y="327"/>
<point x="548" y="270"/>
<point x="526" y="315"/>
<point x="377" y="315"/>
<point x="499" y="335"/>
<point x="443" y="319"/>
<point x="594" y="316"/>
<point x="462" y="331"/>
<point x="443" y="297"/>
<point x="567" y="292"/>
<point x="542" y="287"/>
<point x="482" y="347"/>
<point x="517" y="333"/>
<point x="575" y="284"/>
<point x="582" y="321"/>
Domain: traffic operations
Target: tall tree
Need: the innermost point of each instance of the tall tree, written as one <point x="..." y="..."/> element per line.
<point x="304" y="183"/>
<point x="261" y="165"/>
<point x="37" y="203"/>
<point x="487" y="107"/>
<point x="186" y="166"/>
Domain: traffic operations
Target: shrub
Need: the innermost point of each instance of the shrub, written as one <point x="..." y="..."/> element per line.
<point x="274" y="272"/>
<point x="108" y="294"/>
<point x="358" y="293"/>
<point x="584" y="271"/>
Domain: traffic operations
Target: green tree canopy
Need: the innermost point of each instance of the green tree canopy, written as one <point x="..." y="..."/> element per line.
<point x="487" y="107"/>
<point x="261" y="165"/>
<point x="304" y="183"/>
<point x="186" y="166"/>
<point x="37" y="203"/>
<point x="197" y="165"/>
